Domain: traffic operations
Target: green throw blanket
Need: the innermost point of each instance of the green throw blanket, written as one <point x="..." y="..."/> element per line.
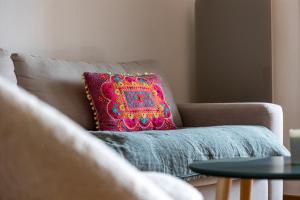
<point x="173" y="150"/>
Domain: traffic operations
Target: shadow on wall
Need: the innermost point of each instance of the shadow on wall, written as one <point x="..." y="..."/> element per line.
<point x="233" y="42"/>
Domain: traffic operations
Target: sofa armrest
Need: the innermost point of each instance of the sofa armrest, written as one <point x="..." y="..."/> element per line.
<point x="210" y="114"/>
<point x="174" y="187"/>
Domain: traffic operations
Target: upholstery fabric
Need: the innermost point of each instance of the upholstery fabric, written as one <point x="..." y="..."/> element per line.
<point x="128" y="102"/>
<point x="59" y="83"/>
<point x="210" y="114"/>
<point x="7" y="67"/>
<point x="44" y="155"/>
<point x="174" y="186"/>
<point x="171" y="151"/>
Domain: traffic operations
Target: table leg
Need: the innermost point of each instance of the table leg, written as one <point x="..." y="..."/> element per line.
<point x="246" y="189"/>
<point x="223" y="188"/>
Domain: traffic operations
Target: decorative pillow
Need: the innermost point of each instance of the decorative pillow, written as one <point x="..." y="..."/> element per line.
<point x="128" y="103"/>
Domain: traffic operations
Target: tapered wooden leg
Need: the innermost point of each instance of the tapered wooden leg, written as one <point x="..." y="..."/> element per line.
<point x="223" y="188"/>
<point x="246" y="189"/>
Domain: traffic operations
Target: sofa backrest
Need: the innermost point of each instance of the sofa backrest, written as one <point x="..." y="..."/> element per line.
<point x="45" y="155"/>
<point x="60" y="84"/>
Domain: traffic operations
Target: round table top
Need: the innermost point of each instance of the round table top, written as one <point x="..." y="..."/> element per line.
<point x="249" y="168"/>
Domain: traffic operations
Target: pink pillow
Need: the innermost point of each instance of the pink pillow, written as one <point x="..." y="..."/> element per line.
<point x="128" y="103"/>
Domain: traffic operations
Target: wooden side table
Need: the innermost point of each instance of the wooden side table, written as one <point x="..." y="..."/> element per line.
<point x="224" y="188"/>
<point x="246" y="169"/>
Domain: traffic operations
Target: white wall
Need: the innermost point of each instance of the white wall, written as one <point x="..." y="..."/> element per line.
<point x="286" y="62"/>
<point x="104" y="31"/>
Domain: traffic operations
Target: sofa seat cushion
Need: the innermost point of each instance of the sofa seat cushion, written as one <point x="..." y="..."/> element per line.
<point x="172" y="151"/>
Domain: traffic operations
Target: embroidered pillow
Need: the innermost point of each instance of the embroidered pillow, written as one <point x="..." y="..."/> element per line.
<point x="128" y="103"/>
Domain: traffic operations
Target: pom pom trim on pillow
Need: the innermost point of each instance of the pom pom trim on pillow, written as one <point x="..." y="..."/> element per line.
<point x="91" y="102"/>
<point x="125" y="102"/>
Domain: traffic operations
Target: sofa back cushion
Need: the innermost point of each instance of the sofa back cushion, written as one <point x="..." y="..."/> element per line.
<point x="44" y="155"/>
<point x="7" y="67"/>
<point x="60" y="83"/>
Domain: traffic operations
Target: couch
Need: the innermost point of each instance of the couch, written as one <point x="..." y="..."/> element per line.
<point x="57" y="83"/>
<point x="45" y="155"/>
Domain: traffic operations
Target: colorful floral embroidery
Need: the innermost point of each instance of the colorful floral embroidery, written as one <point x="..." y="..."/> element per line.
<point x="128" y="103"/>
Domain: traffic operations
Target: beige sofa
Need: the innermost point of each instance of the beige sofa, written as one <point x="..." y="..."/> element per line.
<point x="45" y="155"/>
<point x="58" y="83"/>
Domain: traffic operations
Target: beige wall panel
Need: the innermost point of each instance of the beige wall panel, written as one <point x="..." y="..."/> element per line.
<point x="104" y="31"/>
<point x="233" y="40"/>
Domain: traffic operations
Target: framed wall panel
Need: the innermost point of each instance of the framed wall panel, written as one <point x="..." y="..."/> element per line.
<point x="233" y="50"/>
